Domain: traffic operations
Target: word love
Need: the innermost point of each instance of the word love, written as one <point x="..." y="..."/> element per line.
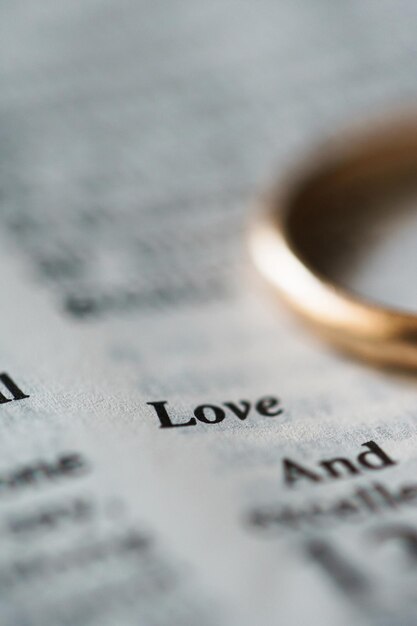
<point x="214" y="413"/>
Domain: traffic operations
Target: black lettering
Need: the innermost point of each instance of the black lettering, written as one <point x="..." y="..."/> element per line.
<point x="268" y="406"/>
<point x="404" y="534"/>
<point x="378" y="453"/>
<point x="294" y="471"/>
<point x="344" y="508"/>
<point x="408" y="493"/>
<point x="388" y="498"/>
<point x="28" y="475"/>
<point x="341" y="571"/>
<point x="241" y="413"/>
<point x="200" y="414"/>
<point x="3" y="399"/>
<point x="11" y="386"/>
<point x="72" y="464"/>
<point x="165" y="419"/>
<point x="365" y="497"/>
<point x="329" y="466"/>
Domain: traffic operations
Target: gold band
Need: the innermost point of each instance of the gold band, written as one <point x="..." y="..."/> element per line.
<point x="284" y="249"/>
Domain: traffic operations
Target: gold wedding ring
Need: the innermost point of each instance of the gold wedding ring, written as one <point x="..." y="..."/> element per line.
<point x="352" y="171"/>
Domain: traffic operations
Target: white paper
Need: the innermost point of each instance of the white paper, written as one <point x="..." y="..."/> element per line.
<point x="134" y="139"/>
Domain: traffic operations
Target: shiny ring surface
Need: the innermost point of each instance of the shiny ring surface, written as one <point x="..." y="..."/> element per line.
<point x="341" y="173"/>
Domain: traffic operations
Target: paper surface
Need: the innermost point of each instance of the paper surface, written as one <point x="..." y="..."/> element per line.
<point x="134" y="138"/>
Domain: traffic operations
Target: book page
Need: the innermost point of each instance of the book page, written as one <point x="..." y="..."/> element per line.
<point x="176" y="448"/>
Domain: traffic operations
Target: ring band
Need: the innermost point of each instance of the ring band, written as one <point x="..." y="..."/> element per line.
<point x="344" y="173"/>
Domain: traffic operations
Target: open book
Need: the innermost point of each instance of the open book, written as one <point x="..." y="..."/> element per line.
<point x="175" y="448"/>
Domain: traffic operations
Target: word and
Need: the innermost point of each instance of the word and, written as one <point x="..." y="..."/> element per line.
<point x="10" y="385"/>
<point x="268" y="406"/>
<point x="373" y="459"/>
